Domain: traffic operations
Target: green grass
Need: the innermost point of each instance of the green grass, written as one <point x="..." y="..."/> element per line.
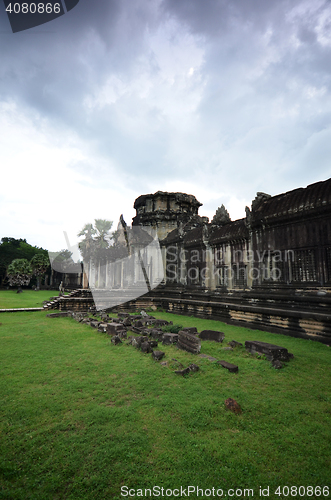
<point x="80" y="417"/>
<point x="10" y="299"/>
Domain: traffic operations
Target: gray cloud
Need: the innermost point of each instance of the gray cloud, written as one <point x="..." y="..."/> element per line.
<point x="229" y="96"/>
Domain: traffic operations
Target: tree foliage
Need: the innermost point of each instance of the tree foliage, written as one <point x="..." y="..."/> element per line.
<point x="39" y="263"/>
<point x="11" y="249"/>
<point x="96" y="240"/>
<point x="19" y="272"/>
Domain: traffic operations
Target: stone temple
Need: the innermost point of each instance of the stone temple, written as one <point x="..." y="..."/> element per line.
<point x="270" y="270"/>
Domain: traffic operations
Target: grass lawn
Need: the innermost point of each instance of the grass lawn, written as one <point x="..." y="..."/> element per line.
<point x="10" y="299"/>
<point x="80" y="418"/>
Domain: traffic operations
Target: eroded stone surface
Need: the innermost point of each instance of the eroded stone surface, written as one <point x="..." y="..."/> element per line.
<point x="234" y="343"/>
<point x="229" y="366"/>
<point x="189" y="342"/>
<point x="146" y="347"/>
<point x="270" y="351"/>
<point x="169" y="338"/>
<point x="232" y="405"/>
<point x="116" y="340"/>
<point x="190" y="329"/>
<point x="194" y="368"/>
<point x="158" y="355"/>
<point x="183" y="372"/>
<point x="114" y="328"/>
<point x="212" y="335"/>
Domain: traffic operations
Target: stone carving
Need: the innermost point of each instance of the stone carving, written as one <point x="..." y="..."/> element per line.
<point x="221" y="216"/>
<point x="259" y="198"/>
<point x="189" y="342"/>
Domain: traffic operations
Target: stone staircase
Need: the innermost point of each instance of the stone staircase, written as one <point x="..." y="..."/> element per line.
<point x="54" y="302"/>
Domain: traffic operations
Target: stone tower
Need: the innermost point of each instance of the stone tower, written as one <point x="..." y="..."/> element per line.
<point x="163" y="211"/>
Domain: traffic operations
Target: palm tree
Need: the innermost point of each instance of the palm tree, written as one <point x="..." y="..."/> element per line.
<point x="19" y="273"/>
<point x="39" y="264"/>
<point x="102" y="228"/>
<point x="96" y="241"/>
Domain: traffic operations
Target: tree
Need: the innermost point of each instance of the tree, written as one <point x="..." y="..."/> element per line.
<point x="87" y="245"/>
<point x="19" y="273"/>
<point x="102" y="228"/>
<point x="96" y="241"/>
<point x="96" y="237"/>
<point x="11" y="249"/>
<point x="39" y="264"/>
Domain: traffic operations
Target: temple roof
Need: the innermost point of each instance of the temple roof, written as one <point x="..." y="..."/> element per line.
<point x="235" y="230"/>
<point x="315" y="196"/>
<point x="179" y="197"/>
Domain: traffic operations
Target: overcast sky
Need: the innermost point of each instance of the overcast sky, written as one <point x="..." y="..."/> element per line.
<point x="118" y="98"/>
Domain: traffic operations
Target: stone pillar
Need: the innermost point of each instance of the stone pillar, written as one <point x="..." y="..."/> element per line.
<point x="227" y="262"/>
<point x="182" y="265"/>
<point x="249" y="261"/>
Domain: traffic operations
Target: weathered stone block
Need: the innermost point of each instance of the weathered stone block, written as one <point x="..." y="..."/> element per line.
<point x="102" y="327"/>
<point x="194" y="368"/>
<point x="134" y="329"/>
<point x="114" y="328"/>
<point x="138" y="341"/>
<point x="270" y="351"/>
<point x="190" y="329"/>
<point x="169" y="338"/>
<point x="229" y="366"/>
<point x="155" y="334"/>
<point x="122" y="334"/>
<point x="157" y="355"/>
<point x="116" y="340"/>
<point x="232" y="405"/>
<point x="161" y="322"/>
<point x="94" y="324"/>
<point x="183" y="372"/>
<point x="212" y="335"/>
<point x="234" y="343"/>
<point x="146" y="347"/>
<point x="189" y="342"/>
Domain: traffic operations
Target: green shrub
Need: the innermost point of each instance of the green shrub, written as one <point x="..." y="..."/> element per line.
<point x="172" y="328"/>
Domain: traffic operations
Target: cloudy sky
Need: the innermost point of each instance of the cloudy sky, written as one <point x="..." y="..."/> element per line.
<point x="118" y="98"/>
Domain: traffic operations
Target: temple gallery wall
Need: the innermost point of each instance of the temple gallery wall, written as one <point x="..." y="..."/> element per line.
<point x="270" y="270"/>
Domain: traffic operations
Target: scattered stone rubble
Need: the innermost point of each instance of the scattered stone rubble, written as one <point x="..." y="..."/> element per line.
<point x="150" y="333"/>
